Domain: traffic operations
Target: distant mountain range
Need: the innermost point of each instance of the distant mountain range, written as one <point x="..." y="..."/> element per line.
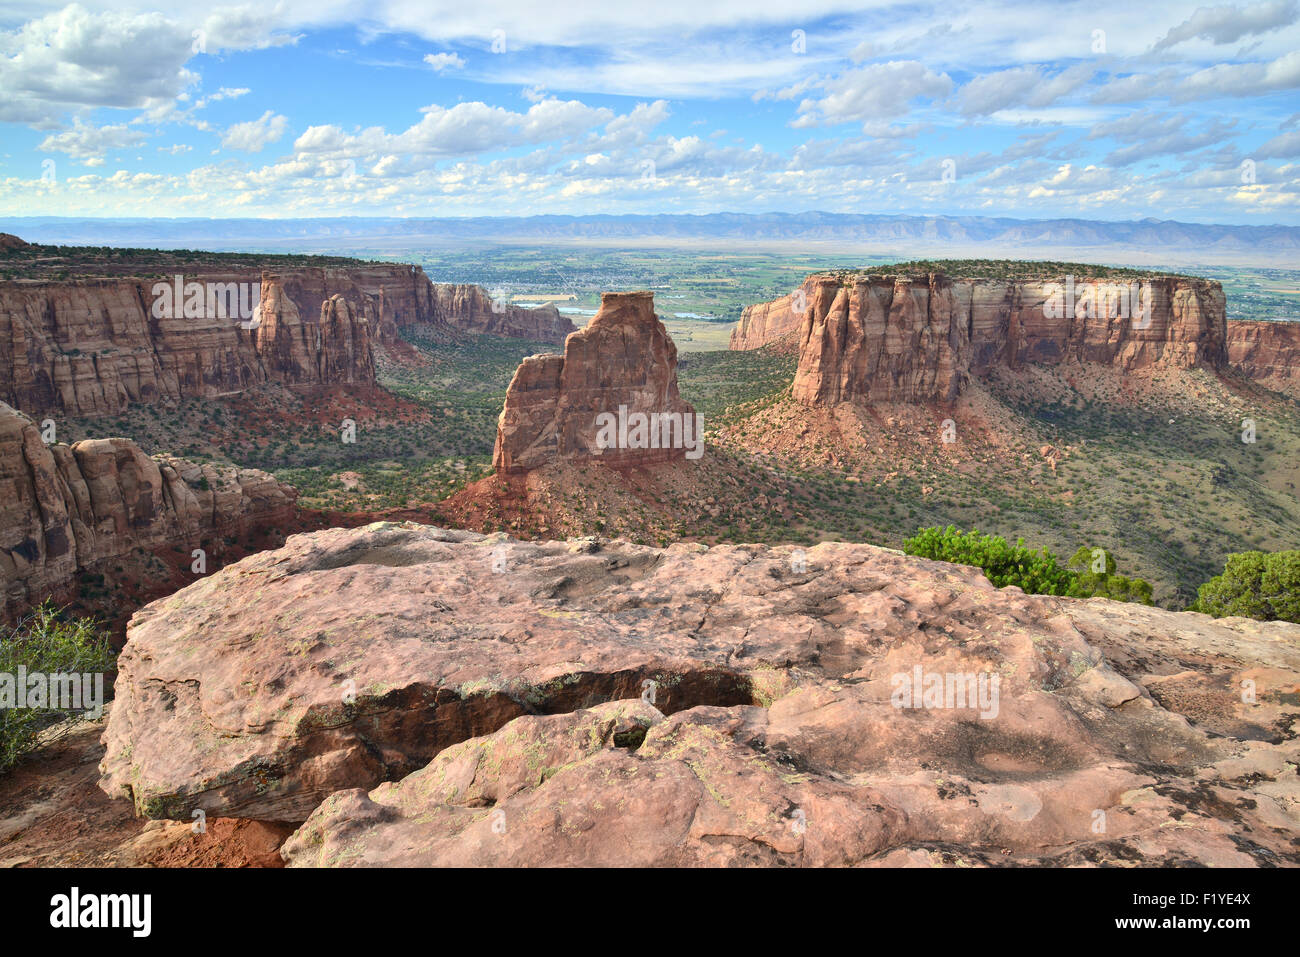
<point x="967" y="234"/>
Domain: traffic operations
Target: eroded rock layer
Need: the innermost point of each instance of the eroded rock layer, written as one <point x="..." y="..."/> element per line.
<point x="90" y="347"/>
<point x="66" y="508"/>
<point x="908" y="339"/>
<point x="472" y="309"/>
<point x="1268" y="352"/>
<point x="623" y="364"/>
<point x="596" y="702"/>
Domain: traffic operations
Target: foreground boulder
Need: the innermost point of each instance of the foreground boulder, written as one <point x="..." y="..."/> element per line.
<point x="738" y="704"/>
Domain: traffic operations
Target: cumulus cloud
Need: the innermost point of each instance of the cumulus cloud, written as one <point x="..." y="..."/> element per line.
<point x="444" y="61"/>
<point x="1228" y="24"/>
<point x="254" y="136"/>
<point x="878" y="91"/>
<point x="1220" y="80"/>
<point x="90" y="143"/>
<point x="1032" y="86"/>
<point x="74" y="58"/>
<point x="462" y="130"/>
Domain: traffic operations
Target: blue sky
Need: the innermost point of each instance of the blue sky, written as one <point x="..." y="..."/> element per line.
<point x="1099" y="110"/>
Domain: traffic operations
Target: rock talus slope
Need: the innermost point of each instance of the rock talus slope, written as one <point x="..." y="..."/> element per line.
<point x="66" y="508"/>
<point x="596" y="702"/>
<point x="623" y="358"/>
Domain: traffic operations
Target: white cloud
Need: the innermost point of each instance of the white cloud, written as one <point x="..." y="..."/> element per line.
<point x="878" y="91"/>
<point x="255" y="135"/>
<point x="463" y="130"/>
<point x="74" y="58"/>
<point x="444" y="61"/>
<point x="1031" y="86"/>
<point x="1228" y="24"/>
<point x="90" y="143"/>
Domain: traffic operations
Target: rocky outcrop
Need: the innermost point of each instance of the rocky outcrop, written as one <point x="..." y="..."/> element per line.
<point x="69" y="508"/>
<point x="472" y="309"/>
<point x="596" y="702"/>
<point x="623" y="365"/>
<point x="919" y="338"/>
<point x="1268" y="352"/>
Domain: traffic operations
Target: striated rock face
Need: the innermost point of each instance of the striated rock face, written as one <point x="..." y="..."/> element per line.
<point x="765" y="322"/>
<point x="334" y="349"/>
<point x="92" y="347"/>
<point x="604" y="703"/>
<point x="471" y="309"/>
<point x="66" y="508"/>
<point x="1267" y="351"/>
<point x="623" y="359"/>
<point x="917" y="339"/>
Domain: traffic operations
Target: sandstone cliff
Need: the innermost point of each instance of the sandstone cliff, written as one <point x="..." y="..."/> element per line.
<point x="623" y="365"/>
<point x="64" y="509"/>
<point x="471" y="309"/>
<point x="92" y="346"/>
<point x="905" y="339"/>
<point x="1268" y="352"/>
<point x="600" y="703"/>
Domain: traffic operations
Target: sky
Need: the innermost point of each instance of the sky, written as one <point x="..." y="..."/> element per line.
<point x="1101" y="110"/>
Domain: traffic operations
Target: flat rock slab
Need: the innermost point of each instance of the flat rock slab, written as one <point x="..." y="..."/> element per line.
<point x="353" y="657"/>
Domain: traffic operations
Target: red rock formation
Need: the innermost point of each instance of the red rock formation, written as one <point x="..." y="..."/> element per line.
<point x="1268" y="352"/>
<point x="899" y="339"/>
<point x="602" y="703"/>
<point x="766" y="322"/>
<point x="91" y="347"/>
<point x="334" y="349"/>
<point x="471" y="309"/>
<point x="624" y="364"/>
<point x="66" y="508"/>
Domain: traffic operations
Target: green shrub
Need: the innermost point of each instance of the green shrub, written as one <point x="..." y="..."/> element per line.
<point x="1004" y="564"/>
<point x="1034" y="572"/>
<point x="1254" y="585"/>
<point x="45" y="641"/>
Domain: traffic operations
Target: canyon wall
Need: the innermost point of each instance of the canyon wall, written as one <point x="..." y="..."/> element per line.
<point x="471" y="309"/>
<point x="1268" y="352"/>
<point x="92" y="346"/>
<point x="624" y="359"/>
<point x="64" y="509"/>
<point x="903" y="339"/>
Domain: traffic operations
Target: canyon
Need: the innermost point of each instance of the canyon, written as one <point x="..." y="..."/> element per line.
<point x="920" y="338"/>
<point x="623" y="364"/>
<point x="87" y="507"/>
